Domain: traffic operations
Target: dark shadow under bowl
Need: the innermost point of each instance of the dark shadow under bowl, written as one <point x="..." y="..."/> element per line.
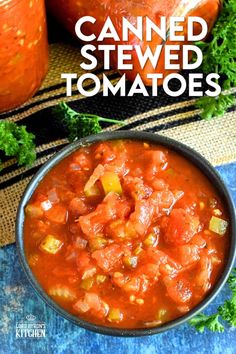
<point x="180" y="148"/>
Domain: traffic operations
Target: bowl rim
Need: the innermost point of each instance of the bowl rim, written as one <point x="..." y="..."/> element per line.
<point x="191" y="155"/>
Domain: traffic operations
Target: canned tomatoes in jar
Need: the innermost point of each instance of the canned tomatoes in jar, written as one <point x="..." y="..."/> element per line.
<point x="23" y="50"/>
<point x="68" y="12"/>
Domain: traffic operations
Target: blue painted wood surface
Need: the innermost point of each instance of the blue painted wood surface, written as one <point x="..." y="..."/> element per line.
<point x="18" y="299"/>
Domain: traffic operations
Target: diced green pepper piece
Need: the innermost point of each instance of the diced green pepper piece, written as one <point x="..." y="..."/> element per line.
<point x="62" y="292"/>
<point x="130" y="262"/>
<point x="115" y="315"/>
<point x="111" y="183"/>
<point x="138" y="250"/>
<point x="87" y="284"/>
<point x="50" y="244"/>
<point x="150" y="240"/>
<point x="15" y="60"/>
<point x="97" y="243"/>
<point x="100" y="278"/>
<point x="161" y="314"/>
<point x="93" y="191"/>
<point x="170" y="171"/>
<point x="34" y="211"/>
<point x="217" y="225"/>
<point x="118" y="145"/>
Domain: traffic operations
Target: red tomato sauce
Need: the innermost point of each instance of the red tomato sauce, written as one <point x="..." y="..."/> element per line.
<point x="23" y="50"/>
<point x="126" y="234"/>
<point x="68" y="12"/>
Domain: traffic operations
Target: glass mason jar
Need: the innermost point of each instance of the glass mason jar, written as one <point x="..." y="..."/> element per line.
<point x="68" y="12"/>
<point x="23" y="50"/>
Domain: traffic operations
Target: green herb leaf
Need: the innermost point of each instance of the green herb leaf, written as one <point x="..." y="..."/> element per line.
<point x="227" y="312"/>
<point x="232" y="281"/>
<point x="214" y="106"/>
<point x="15" y="141"/>
<point x="79" y="125"/>
<point x="201" y="321"/>
<point x="219" y="56"/>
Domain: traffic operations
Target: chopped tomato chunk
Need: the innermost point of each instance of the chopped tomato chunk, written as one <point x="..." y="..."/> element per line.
<point x="83" y="260"/>
<point x="83" y="160"/>
<point x="180" y="227"/>
<point x="156" y="161"/>
<point x="104" y="153"/>
<point x="108" y="257"/>
<point x="187" y="254"/>
<point x="177" y="289"/>
<point x="140" y="219"/>
<point x="135" y="187"/>
<point x="78" y="207"/>
<point x="202" y="279"/>
<point x="57" y="214"/>
<point x="92" y="302"/>
<point x="112" y="207"/>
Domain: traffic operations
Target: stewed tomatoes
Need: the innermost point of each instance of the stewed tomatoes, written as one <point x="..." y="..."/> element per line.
<point x="126" y="234"/>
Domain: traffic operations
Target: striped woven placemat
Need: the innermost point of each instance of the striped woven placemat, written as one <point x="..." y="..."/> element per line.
<point x="174" y="117"/>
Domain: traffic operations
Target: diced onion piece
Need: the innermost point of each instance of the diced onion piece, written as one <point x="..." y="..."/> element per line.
<point x="217" y="212"/>
<point x="71" y="256"/>
<point x="140" y="301"/>
<point x="90" y="189"/>
<point x="111" y="183"/>
<point x="89" y="273"/>
<point x="215" y="260"/>
<point x="52" y="196"/>
<point x="115" y="315"/>
<point x="34" y="211"/>
<point x="217" y="225"/>
<point x="46" y="205"/>
<point x="62" y="292"/>
<point x="183" y="308"/>
<point x="87" y="283"/>
<point x="117" y="275"/>
<point x="132" y="298"/>
<point x="80" y="243"/>
<point x="50" y="244"/>
<point x="146" y="145"/>
<point x="105" y="308"/>
<point x="81" y="306"/>
<point x="152" y="323"/>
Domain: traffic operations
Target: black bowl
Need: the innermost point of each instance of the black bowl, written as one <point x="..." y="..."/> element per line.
<point x="185" y="151"/>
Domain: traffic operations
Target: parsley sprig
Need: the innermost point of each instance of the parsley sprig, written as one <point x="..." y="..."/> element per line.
<point x="227" y="312"/>
<point x="16" y="141"/>
<point x="219" y="55"/>
<point x="78" y="125"/>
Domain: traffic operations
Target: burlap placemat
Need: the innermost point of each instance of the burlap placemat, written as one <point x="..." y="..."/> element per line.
<point x="173" y="117"/>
